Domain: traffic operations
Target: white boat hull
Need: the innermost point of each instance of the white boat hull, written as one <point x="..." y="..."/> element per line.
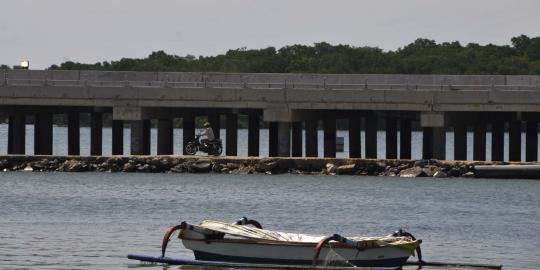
<point x="290" y="253"/>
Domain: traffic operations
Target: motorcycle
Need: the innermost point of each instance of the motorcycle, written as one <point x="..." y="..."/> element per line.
<point x="214" y="147"/>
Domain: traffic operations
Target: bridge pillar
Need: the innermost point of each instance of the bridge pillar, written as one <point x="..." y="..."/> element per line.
<point x="17" y="134"/>
<point x="531" y="146"/>
<point x="329" y="125"/>
<point x="74" y="134"/>
<point x="96" y="133"/>
<point x="460" y="141"/>
<point x="479" y="141"/>
<point x="355" y="139"/>
<point x="273" y="139"/>
<point x="213" y="119"/>
<point x="439" y="143"/>
<point x="117" y="137"/>
<point x="188" y="130"/>
<point x="434" y="141"/>
<point x="231" y="149"/>
<point x="497" y="140"/>
<point x="391" y="138"/>
<point x="165" y="137"/>
<point x="405" y="139"/>
<point x="514" y="136"/>
<point x="311" y="138"/>
<point x="140" y="137"/>
<point x="296" y="139"/>
<point x="284" y="139"/>
<point x="371" y="136"/>
<point x="427" y="143"/>
<point x="253" y="135"/>
<point x="43" y="134"/>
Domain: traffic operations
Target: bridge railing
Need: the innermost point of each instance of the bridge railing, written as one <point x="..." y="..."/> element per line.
<point x="270" y="85"/>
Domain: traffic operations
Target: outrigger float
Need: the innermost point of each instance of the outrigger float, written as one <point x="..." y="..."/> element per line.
<point x="238" y="245"/>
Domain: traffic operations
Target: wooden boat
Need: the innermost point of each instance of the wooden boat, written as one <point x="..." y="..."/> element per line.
<point x="240" y="243"/>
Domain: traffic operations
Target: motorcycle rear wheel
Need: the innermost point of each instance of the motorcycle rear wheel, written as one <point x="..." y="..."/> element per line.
<point x="190" y="149"/>
<point x="218" y="150"/>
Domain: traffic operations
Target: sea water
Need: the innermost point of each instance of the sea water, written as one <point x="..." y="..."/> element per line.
<point x="93" y="220"/>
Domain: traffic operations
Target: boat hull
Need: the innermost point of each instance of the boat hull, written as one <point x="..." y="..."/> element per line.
<point x="296" y="254"/>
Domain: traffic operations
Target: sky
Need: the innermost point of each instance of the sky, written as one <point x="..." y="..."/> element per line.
<point x="50" y="32"/>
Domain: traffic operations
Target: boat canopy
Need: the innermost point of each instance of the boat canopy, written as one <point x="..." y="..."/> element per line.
<point x="261" y="234"/>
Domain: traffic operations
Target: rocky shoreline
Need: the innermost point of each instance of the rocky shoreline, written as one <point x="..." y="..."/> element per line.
<point x="243" y="165"/>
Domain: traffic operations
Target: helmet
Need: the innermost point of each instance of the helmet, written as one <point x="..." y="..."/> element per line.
<point x="206" y="124"/>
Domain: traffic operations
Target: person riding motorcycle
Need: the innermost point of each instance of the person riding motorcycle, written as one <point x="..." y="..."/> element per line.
<point x="207" y="134"/>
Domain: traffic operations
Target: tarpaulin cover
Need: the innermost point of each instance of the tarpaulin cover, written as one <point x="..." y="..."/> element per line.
<point x="255" y="233"/>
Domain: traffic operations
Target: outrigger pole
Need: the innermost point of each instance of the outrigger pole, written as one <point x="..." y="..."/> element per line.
<point x="178" y="261"/>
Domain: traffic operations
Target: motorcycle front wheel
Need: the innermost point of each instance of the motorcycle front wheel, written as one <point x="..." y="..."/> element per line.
<point x="190" y="148"/>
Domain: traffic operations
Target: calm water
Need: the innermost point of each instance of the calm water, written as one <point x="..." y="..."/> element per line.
<point x="92" y="220"/>
<point x="60" y="142"/>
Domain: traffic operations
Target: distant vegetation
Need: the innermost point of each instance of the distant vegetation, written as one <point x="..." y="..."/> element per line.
<point x="423" y="56"/>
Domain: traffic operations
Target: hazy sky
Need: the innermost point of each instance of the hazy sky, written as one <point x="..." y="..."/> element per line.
<point x="52" y="31"/>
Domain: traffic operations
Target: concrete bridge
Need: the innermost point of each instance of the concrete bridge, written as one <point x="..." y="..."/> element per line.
<point x="289" y="103"/>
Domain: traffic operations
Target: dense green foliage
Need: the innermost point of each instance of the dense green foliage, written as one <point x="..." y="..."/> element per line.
<point x="423" y="56"/>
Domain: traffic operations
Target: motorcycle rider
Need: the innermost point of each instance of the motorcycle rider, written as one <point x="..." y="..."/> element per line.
<point x="207" y="135"/>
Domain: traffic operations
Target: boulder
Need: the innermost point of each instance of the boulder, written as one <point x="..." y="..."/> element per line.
<point x="202" y="165"/>
<point x="468" y="175"/>
<point x="440" y="174"/>
<point x="412" y="172"/>
<point x="454" y="172"/>
<point x="143" y="167"/>
<point x="266" y="166"/>
<point x="4" y="163"/>
<point x="330" y="168"/>
<point x="71" y="165"/>
<point x="346" y="169"/>
<point x="179" y="168"/>
<point x="130" y="166"/>
<point x="232" y="166"/>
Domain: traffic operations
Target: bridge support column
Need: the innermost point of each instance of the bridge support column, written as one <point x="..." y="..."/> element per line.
<point x="188" y="130"/>
<point x="253" y="135"/>
<point x="213" y="119"/>
<point x="405" y="139"/>
<point x="96" y="133"/>
<point x="371" y="136"/>
<point x="273" y="139"/>
<point x="439" y="143"/>
<point x="514" y="136"/>
<point x="140" y="137"/>
<point x="479" y="142"/>
<point x="460" y="141"/>
<point x="531" y="146"/>
<point x="17" y="134"/>
<point x="497" y="141"/>
<point x="284" y="139"/>
<point x="427" y="143"/>
<point x="165" y="137"/>
<point x="117" y="137"/>
<point x="434" y="141"/>
<point x="329" y="125"/>
<point x="74" y="134"/>
<point x="296" y="139"/>
<point x="355" y="139"/>
<point x="43" y="134"/>
<point x="391" y="138"/>
<point x="231" y="149"/>
<point x="311" y="138"/>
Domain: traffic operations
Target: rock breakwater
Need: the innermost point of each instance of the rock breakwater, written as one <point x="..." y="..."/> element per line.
<point x="241" y="165"/>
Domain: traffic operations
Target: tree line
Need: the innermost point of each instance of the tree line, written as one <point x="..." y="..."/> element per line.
<point x="423" y="56"/>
